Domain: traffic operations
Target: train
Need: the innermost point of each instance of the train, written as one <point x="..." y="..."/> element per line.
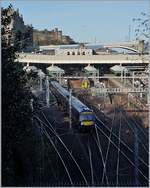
<point x="81" y="114"/>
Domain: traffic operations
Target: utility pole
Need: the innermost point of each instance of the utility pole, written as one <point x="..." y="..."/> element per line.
<point x="128" y="100"/>
<point x="70" y="112"/>
<point x="47" y="91"/>
<point x="95" y="40"/>
<point x="121" y="75"/>
<point x="148" y="92"/>
<point x="129" y="32"/>
<point x="133" y="79"/>
<point x="40" y="80"/>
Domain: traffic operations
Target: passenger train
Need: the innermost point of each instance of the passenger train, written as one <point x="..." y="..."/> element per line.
<point x="81" y="114"/>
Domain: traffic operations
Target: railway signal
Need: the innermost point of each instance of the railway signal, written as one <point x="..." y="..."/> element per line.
<point x="85" y="84"/>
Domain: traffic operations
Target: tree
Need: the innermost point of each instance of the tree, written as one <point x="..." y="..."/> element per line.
<point x="16" y="109"/>
<point x="141" y="26"/>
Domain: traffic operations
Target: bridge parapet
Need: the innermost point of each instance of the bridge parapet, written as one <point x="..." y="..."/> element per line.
<point x="94" y="59"/>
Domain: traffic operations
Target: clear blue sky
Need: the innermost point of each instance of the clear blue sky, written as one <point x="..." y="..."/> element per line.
<point x="83" y="20"/>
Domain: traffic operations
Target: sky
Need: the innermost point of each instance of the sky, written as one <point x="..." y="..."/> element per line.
<point x="100" y="21"/>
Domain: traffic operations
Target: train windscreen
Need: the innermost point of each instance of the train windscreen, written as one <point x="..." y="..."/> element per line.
<point x="88" y="116"/>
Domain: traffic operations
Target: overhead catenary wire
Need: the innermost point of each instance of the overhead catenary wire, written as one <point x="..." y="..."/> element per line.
<point x="47" y="145"/>
<point x="122" y="152"/>
<point x="146" y="150"/>
<point x="90" y="155"/>
<point x="122" y="142"/>
<point x="91" y="165"/>
<point x="117" y="170"/>
<point x="100" y="149"/>
<point x="108" y="145"/>
<point x="47" y="135"/>
<point x="137" y="126"/>
<point x="52" y="129"/>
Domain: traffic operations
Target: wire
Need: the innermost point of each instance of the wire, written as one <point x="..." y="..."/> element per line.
<point x="122" y="142"/>
<point x="100" y="149"/>
<point x="122" y="153"/>
<point x="117" y="173"/>
<point x="52" y="129"/>
<point x="45" y="132"/>
<point x="108" y="145"/>
<point x="91" y="165"/>
<point x="133" y="132"/>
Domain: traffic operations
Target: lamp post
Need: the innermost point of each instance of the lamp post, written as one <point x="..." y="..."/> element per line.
<point x="40" y="74"/>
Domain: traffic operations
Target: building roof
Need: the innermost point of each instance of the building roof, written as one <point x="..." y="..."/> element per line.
<point x="55" y="69"/>
<point x="29" y="68"/>
<point x="40" y="73"/>
<point x="90" y="68"/>
<point x="118" y="68"/>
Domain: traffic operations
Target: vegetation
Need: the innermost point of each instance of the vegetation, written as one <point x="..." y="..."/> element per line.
<point x="18" y="134"/>
<point x="141" y="28"/>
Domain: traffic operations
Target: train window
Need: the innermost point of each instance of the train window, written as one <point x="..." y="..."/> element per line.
<point x="87" y="117"/>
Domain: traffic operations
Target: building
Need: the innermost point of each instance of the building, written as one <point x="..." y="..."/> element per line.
<point x="55" y="36"/>
<point x="79" y="50"/>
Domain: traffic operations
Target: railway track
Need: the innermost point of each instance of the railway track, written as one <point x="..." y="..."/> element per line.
<point x="124" y="150"/>
<point x="102" y="157"/>
<point x="115" y="143"/>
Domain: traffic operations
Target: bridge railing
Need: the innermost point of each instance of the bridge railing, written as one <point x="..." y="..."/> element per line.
<point x="118" y="90"/>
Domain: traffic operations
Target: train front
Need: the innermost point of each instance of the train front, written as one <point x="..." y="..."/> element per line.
<point x="87" y="119"/>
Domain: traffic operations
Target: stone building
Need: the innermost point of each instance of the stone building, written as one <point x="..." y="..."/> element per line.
<point x="55" y="36"/>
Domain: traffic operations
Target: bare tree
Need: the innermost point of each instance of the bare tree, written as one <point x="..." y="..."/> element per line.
<point x="141" y="26"/>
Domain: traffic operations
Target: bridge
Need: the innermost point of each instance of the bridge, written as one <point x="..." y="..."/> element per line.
<point x="136" y="46"/>
<point x="88" y="59"/>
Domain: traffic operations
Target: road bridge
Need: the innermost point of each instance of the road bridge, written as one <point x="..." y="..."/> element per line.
<point x="88" y="59"/>
<point x="136" y="46"/>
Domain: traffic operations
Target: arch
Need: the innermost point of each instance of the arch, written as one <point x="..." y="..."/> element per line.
<point x="73" y="53"/>
<point x="83" y="53"/>
<point x="123" y="47"/>
<point x="68" y="53"/>
<point x="78" y="53"/>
